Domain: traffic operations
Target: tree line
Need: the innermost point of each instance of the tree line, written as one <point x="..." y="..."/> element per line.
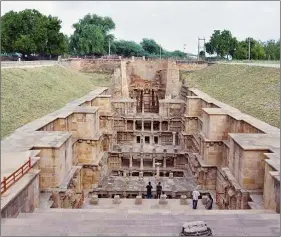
<point x="223" y="44"/>
<point x="30" y="32"/>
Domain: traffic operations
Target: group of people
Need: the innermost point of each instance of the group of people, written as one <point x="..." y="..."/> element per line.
<point x="149" y="190"/>
<point x="195" y="196"/>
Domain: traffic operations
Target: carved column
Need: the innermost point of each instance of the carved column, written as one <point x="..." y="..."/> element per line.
<point x="141" y="166"/>
<point x="131" y="161"/>
<point x="134" y="125"/>
<point x="164" y="161"/>
<point x="142" y="125"/>
<point x="174" y="138"/>
<point x="153" y="162"/>
<point x="152" y="125"/>
<point x="160" y="126"/>
<point x="142" y="105"/>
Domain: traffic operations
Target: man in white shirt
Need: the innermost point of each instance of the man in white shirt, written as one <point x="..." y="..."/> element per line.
<point x="195" y="195"/>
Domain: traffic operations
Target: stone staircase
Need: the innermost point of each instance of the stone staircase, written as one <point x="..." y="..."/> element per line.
<point x="137" y="222"/>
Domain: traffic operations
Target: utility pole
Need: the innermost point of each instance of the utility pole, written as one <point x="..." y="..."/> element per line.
<point x="249" y="49"/>
<point x="109" y="47"/>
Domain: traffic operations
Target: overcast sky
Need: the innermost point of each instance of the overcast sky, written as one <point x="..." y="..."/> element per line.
<point x="171" y="24"/>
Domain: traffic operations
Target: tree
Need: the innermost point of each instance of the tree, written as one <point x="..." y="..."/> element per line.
<point x="91" y="35"/>
<point x="222" y="43"/>
<point x="272" y="49"/>
<point x="241" y="52"/>
<point x="29" y="31"/>
<point x="150" y="46"/>
<point x="127" y="48"/>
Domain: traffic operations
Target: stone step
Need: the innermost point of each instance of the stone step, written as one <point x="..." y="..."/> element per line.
<point x="97" y="222"/>
<point x="154" y="211"/>
<point x="81" y="227"/>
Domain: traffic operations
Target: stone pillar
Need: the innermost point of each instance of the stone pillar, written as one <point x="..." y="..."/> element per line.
<point x="174" y="138"/>
<point x="175" y="162"/>
<point x="134" y="125"/>
<point x="160" y="126"/>
<point x="141" y="164"/>
<point x="94" y="200"/>
<point x="116" y="199"/>
<point x="163" y="199"/>
<point x="131" y="161"/>
<point x="183" y="200"/>
<point x="126" y="127"/>
<point x="152" y="125"/>
<point x="153" y="162"/>
<point x="142" y="106"/>
<point x="141" y="174"/>
<point x="171" y="175"/>
<point x="164" y="161"/>
<point x="124" y="174"/>
<point x="138" y="200"/>
<point x="142" y="125"/>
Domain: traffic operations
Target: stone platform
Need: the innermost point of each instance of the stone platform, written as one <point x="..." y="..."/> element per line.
<point x="138" y="222"/>
<point x="147" y="206"/>
<point x="179" y="184"/>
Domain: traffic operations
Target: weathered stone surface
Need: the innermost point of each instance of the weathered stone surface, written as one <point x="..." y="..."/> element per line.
<point x="138" y="200"/>
<point x="116" y="199"/>
<point x="183" y="200"/>
<point x="94" y="200"/>
<point x="163" y="199"/>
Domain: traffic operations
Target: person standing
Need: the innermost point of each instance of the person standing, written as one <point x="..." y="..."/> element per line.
<point x="195" y="195"/>
<point x="158" y="190"/>
<point x="148" y="190"/>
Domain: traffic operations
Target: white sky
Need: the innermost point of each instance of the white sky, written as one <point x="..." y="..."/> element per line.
<point x="171" y="24"/>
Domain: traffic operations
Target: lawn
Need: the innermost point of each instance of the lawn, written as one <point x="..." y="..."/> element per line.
<point x="253" y="90"/>
<point x="30" y="93"/>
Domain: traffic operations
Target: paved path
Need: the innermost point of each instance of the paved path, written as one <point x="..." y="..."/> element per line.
<point x="157" y="222"/>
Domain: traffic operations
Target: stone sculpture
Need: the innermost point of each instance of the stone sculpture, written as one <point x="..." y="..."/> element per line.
<point x="183" y="200"/>
<point x="116" y="199"/>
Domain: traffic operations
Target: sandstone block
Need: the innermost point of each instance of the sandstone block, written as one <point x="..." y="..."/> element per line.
<point x="163" y="200"/>
<point x="116" y="199"/>
<point x="183" y="200"/>
<point x="94" y="200"/>
<point x="138" y="200"/>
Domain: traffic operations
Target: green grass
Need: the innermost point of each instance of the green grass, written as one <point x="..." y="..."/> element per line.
<point x="253" y="90"/>
<point x="28" y="94"/>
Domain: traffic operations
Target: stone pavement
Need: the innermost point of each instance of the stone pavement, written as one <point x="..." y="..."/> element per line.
<point x="105" y="221"/>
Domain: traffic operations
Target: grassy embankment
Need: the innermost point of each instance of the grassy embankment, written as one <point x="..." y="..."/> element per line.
<point x="30" y="93"/>
<point x="252" y="90"/>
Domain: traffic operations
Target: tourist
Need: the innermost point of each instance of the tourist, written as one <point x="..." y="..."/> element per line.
<point x="195" y="195"/>
<point x="158" y="190"/>
<point x="209" y="202"/>
<point x="148" y="191"/>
